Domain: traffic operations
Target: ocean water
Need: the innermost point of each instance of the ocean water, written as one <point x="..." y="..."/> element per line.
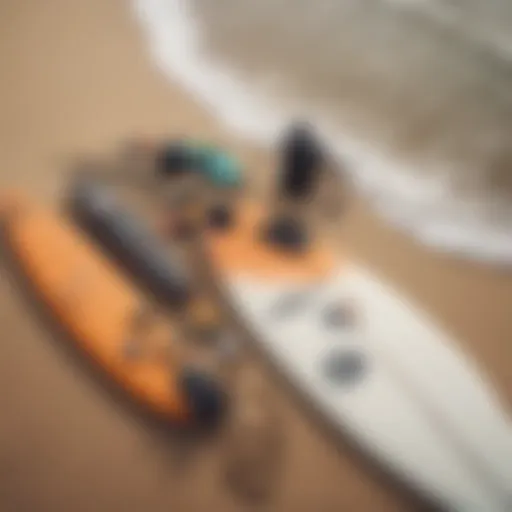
<point x="414" y="96"/>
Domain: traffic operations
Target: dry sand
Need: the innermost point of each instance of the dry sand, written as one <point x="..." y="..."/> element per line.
<point x="76" y="79"/>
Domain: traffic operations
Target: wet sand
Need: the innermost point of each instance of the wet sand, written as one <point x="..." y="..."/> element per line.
<point x="76" y="78"/>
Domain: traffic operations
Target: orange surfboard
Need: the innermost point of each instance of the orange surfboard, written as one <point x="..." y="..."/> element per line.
<point x="97" y="306"/>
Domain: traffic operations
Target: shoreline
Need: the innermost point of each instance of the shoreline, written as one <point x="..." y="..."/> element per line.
<point x="423" y="204"/>
<point x="69" y="93"/>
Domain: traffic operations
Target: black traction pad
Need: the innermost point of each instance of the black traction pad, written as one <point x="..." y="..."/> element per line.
<point x="98" y="211"/>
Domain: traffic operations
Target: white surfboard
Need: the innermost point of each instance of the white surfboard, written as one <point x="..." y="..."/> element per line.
<point x="375" y="366"/>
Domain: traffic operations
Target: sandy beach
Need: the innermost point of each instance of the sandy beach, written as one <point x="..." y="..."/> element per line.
<point x="77" y="79"/>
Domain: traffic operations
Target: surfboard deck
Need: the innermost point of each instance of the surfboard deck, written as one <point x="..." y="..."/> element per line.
<point x="96" y="305"/>
<point x="373" y="364"/>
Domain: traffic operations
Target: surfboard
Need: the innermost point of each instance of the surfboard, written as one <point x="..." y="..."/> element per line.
<point x="372" y="363"/>
<point x="104" y="314"/>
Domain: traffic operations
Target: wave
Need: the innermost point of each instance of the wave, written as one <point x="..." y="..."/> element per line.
<point x="427" y="204"/>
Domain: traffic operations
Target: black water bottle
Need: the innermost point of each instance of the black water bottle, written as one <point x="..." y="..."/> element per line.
<point x="301" y="164"/>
